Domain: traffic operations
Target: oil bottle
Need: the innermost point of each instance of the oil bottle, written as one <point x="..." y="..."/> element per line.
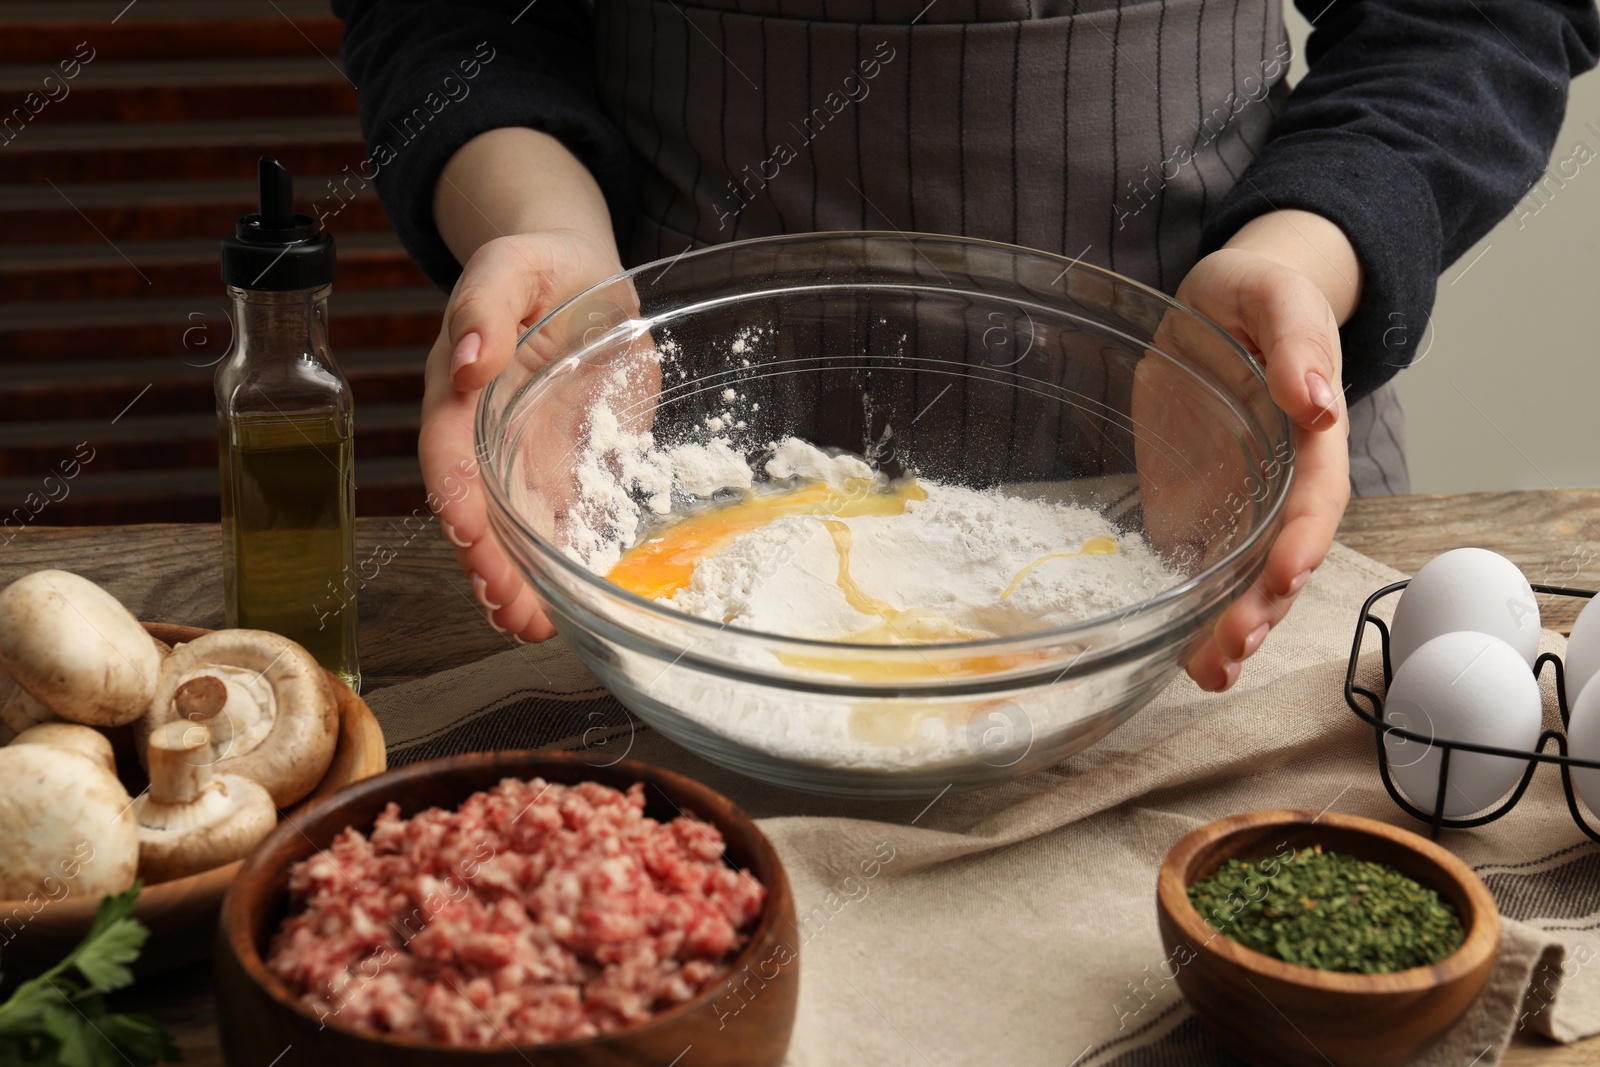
<point x="284" y="436"/>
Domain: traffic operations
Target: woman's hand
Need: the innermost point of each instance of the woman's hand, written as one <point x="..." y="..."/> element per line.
<point x="560" y="245"/>
<point x="1282" y="287"/>
<point x="508" y="283"/>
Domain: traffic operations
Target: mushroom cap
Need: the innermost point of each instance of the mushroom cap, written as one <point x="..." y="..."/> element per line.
<point x="279" y="720"/>
<point x="222" y="824"/>
<point x="18" y="709"/>
<point x="77" y="650"/>
<point x="66" y="826"/>
<point x="84" y="740"/>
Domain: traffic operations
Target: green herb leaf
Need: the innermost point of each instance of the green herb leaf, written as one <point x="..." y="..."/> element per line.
<point x="63" y="1023"/>
<point x="54" y="1020"/>
<point x="20" y="1016"/>
<point x="141" y="1038"/>
<point x="113" y="942"/>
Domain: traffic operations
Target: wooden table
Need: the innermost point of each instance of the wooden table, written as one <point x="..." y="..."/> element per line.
<point x="418" y="617"/>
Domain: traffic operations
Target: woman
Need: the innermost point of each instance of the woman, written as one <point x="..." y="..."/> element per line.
<point x="544" y="146"/>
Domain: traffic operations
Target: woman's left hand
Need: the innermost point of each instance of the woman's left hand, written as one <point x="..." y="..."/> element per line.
<point x="1281" y="287"/>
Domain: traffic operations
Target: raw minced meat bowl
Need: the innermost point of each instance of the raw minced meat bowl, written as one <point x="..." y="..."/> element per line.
<point x="536" y="912"/>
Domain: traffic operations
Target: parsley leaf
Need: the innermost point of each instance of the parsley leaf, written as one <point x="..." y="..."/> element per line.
<point x="59" y="1018"/>
<point x="114" y="940"/>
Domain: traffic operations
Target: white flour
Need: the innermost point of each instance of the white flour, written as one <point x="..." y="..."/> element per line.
<point x="701" y="470"/>
<point x="794" y="458"/>
<point x="622" y="474"/>
<point x="614" y="466"/>
<point x="954" y="553"/>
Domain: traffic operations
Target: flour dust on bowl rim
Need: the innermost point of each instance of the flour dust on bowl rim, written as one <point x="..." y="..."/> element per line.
<point x="967" y="366"/>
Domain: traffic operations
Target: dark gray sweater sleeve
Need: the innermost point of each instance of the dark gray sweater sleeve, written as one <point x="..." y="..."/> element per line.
<point x="432" y="76"/>
<point x="1420" y="125"/>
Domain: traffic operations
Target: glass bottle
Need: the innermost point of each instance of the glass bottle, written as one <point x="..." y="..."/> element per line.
<point x="285" y="437"/>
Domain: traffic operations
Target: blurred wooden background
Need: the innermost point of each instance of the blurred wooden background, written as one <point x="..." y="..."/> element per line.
<point x="116" y="186"/>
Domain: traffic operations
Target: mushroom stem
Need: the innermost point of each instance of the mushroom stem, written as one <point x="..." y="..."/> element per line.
<point x="175" y="776"/>
<point x="200" y="698"/>
<point x="279" y="721"/>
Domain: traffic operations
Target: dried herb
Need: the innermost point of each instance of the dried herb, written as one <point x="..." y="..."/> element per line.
<point x="1329" y="911"/>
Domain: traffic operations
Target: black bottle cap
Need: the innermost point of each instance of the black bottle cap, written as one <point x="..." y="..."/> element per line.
<point x="277" y="249"/>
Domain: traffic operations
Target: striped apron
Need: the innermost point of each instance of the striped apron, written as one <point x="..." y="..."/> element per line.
<point x="1091" y="128"/>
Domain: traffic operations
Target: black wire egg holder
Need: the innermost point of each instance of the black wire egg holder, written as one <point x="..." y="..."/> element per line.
<point x="1436" y="818"/>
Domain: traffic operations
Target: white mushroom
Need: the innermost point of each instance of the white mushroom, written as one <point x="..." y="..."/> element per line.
<point x="269" y="708"/>
<point x="76" y="650"/>
<point x="190" y="819"/>
<point x="18" y="709"/>
<point x="84" y="740"/>
<point x="66" y="825"/>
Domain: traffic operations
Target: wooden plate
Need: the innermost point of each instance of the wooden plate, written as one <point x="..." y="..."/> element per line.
<point x="182" y="914"/>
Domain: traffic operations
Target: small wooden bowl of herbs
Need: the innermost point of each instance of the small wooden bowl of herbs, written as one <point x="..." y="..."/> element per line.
<point x="1300" y="938"/>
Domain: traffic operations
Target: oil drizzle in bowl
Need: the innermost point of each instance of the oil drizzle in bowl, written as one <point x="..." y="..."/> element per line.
<point x="896" y="626"/>
<point x="888" y="722"/>
<point x="664" y="564"/>
<point x="1095" y="546"/>
<point x="908" y="626"/>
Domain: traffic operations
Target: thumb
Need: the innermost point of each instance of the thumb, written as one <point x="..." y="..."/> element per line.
<point x="1299" y="341"/>
<point x="511" y="282"/>
<point x="1280" y="313"/>
<point x="498" y="289"/>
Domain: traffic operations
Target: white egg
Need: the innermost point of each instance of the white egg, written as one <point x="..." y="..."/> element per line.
<point x="1461" y="687"/>
<point x="1583" y="741"/>
<point x="1582" y="661"/>
<point x="1466" y="589"/>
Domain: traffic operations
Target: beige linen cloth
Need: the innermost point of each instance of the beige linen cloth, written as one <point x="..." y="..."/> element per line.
<point x="1017" y="924"/>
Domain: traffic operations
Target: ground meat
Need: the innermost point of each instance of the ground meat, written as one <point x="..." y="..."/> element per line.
<point x="537" y="912"/>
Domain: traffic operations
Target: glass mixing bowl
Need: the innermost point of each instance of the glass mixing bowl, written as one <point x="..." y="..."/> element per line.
<point x="958" y="361"/>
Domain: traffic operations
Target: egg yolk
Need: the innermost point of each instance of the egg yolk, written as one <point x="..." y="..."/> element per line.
<point x="662" y="565"/>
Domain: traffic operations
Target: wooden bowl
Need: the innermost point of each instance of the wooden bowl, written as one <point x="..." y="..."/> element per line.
<point x="1267" y="1012"/>
<point x="182" y="914"/>
<point x="743" y="1020"/>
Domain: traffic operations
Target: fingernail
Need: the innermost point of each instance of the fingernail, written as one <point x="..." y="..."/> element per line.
<point x="480" y="589"/>
<point x="1299" y="582"/>
<point x="1253" y="642"/>
<point x="450" y="532"/>
<point x="1232" y="673"/>
<point x="1322" y="393"/>
<point x="466" y="352"/>
<point x="519" y="639"/>
<point x="497" y="627"/>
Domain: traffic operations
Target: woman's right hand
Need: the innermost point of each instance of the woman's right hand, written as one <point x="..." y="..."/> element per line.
<point x="507" y="284"/>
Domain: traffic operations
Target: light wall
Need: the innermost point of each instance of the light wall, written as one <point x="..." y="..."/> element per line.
<point x="1507" y="394"/>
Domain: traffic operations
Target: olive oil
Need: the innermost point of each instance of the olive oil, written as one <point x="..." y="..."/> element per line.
<point x="288" y="497"/>
<point x="284" y="428"/>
